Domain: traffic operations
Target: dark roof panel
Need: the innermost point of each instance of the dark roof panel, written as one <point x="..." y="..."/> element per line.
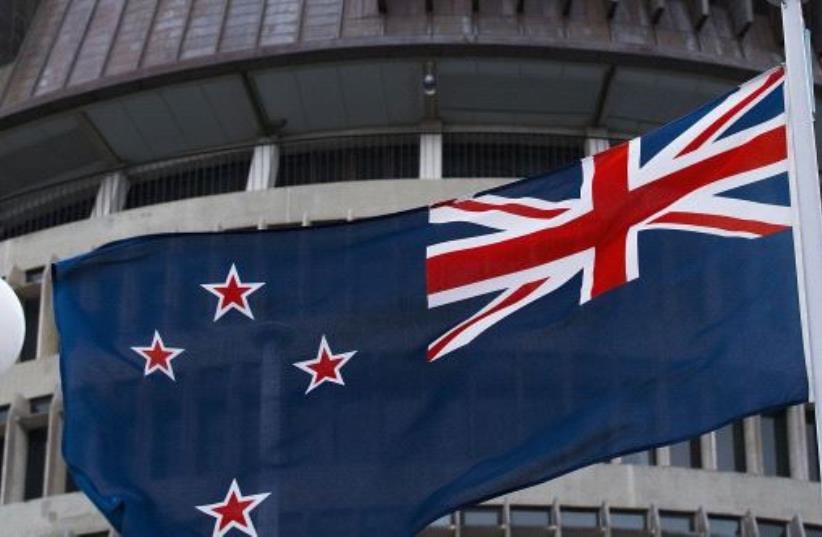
<point x="80" y="45"/>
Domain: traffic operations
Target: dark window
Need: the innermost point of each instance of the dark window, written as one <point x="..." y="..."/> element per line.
<point x="686" y="454"/>
<point x="646" y="458"/>
<point x="507" y="155"/>
<point x="71" y="486"/>
<point x="47" y="207"/>
<point x="526" y="517"/>
<point x="628" y="520"/>
<point x="480" y="516"/>
<point x="730" y="448"/>
<point x="677" y="523"/>
<point x="813" y="531"/>
<point x="813" y="450"/>
<point x="724" y="526"/>
<point x="40" y="405"/>
<point x="35" y="463"/>
<point x="349" y="159"/>
<point x="579" y="518"/>
<point x="2" y="451"/>
<point x="31" y="311"/>
<point x="4" y="414"/>
<point x="775" y="444"/>
<point x="34" y="275"/>
<point x="772" y="528"/>
<point x="214" y="175"/>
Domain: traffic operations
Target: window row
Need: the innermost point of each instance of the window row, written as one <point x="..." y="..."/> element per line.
<point x="297" y="162"/>
<point x="31" y="466"/>
<point x="763" y="449"/>
<point x="533" y="521"/>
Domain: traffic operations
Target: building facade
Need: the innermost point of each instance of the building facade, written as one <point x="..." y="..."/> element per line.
<point x="125" y="117"/>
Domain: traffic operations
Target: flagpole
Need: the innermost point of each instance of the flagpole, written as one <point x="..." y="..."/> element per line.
<point x="805" y="195"/>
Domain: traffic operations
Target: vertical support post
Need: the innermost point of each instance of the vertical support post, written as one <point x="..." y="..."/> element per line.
<point x="805" y="197"/>
<point x="797" y="442"/>
<point x="431" y="156"/>
<point x="596" y="142"/>
<point x="111" y="196"/>
<point x="663" y="456"/>
<point x="265" y="166"/>
<point x="707" y="451"/>
<point x="14" y="476"/>
<point x="55" y="471"/>
<point x="48" y="341"/>
<point x="752" y="428"/>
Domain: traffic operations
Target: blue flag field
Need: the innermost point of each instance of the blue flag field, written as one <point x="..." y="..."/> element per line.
<point x="367" y="378"/>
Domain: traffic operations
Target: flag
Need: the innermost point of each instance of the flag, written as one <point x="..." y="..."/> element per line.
<point x="367" y="378"/>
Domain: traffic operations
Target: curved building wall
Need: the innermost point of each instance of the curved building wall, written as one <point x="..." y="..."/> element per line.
<point x="126" y="117"/>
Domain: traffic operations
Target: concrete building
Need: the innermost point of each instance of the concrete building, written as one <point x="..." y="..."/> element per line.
<point x="125" y="117"/>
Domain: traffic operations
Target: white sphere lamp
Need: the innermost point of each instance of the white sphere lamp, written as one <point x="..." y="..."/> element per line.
<point x="12" y="326"/>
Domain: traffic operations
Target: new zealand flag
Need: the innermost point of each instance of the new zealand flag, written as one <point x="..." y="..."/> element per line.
<point x="367" y="378"/>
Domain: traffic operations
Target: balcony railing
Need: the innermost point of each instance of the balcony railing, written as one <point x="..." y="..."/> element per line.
<point x="298" y="162"/>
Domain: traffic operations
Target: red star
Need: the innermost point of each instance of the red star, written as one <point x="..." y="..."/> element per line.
<point x="233" y="512"/>
<point x="233" y="294"/>
<point x="158" y="357"/>
<point x="325" y="367"/>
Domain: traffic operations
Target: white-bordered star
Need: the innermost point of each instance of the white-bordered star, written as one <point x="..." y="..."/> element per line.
<point x="326" y="366"/>
<point x="234" y="511"/>
<point x="158" y="357"/>
<point x="232" y="293"/>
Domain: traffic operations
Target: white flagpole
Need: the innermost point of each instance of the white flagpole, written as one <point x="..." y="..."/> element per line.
<point x="805" y="194"/>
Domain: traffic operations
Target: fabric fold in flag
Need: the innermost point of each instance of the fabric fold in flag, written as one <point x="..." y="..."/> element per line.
<point x="367" y="378"/>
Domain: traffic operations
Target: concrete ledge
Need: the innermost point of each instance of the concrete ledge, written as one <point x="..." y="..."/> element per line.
<point x="53" y="516"/>
<point x="288" y="205"/>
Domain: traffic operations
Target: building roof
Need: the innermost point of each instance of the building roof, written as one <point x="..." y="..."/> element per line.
<point x="75" y="47"/>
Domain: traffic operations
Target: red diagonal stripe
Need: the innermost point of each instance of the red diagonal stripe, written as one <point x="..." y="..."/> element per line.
<point x="511" y="208"/>
<point x="703" y="137"/>
<point x="520" y="294"/>
<point x="463" y="267"/>
<point x="726" y="223"/>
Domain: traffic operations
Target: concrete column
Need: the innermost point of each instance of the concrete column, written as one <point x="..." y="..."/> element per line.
<point x="605" y="519"/>
<point x="749" y="527"/>
<point x="55" y="479"/>
<point x="556" y="517"/>
<point x="753" y="445"/>
<point x="111" y="196"/>
<point x="265" y="166"/>
<point x="797" y="442"/>
<point x="5" y="465"/>
<point x="14" y="459"/>
<point x="795" y="527"/>
<point x="48" y="341"/>
<point x="431" y="156"/>
<point x="596" y="143"/>
<point x="707" y="449"/>
<point x="654" y="524"/>
<point x="506" y="517"/>
<point x="663" y="456"/>
<point x="701" y="524"/>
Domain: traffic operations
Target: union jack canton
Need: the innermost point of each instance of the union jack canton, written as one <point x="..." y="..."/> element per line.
<point x="537" y="246"/>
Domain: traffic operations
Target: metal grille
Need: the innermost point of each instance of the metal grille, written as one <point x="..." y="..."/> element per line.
<point x="507" y="155"/>
<point x="188" y="178"/>
<point x="47" y="207"/>
<point x="354" y="158"/>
